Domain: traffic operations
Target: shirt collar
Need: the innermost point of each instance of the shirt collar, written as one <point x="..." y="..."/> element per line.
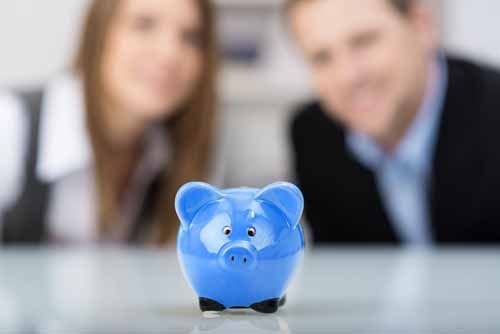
<point x="64" y="143"/>
<point x="416" y="148"/>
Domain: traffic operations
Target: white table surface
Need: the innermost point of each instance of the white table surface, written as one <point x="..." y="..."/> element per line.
<point x="336" y="291"/>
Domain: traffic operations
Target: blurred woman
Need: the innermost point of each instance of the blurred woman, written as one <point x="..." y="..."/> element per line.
<point x="99" y="154"/>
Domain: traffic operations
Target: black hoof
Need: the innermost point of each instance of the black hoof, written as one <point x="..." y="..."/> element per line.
<point x="267" y="306"/>
<point x="207" y="304"/>
<point x="282" y="301"/>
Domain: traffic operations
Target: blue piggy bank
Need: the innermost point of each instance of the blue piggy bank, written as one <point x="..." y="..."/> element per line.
<point x="239" y="248"/>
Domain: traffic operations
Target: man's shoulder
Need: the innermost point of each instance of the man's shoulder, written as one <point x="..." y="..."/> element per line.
<point x="310" y="117"/>
<point x="486" y="77"/>
<point x="476" y="102"/>
<point x="473" y="92"/>
<point x="307" y="112"/>
<point x="486" y="87"/>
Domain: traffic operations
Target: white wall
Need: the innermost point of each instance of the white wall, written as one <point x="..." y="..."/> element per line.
<point x="37" y="38"/>
<point x="472" y="27"/>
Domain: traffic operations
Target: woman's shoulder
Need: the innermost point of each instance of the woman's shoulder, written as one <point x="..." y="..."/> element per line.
<point x="11" y="104"/>
<point x="13" y="118"/>
<point x="13" y="135"/>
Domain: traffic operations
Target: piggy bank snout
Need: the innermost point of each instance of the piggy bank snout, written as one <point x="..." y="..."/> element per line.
<point x="238" y="256"/>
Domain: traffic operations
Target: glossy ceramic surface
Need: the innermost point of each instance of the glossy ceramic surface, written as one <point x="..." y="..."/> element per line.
<point x="239" y="247"/>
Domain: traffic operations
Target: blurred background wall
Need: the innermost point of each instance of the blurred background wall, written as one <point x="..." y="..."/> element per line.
<point x="37" y="37"/>
<point x="258" y="90"/>
<point x="472" y="28"/>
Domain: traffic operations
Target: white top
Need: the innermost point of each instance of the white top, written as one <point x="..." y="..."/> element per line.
<point x="65" y="161"/>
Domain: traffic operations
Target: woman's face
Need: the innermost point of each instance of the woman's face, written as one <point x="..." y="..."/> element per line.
<point x="152" y="60"/>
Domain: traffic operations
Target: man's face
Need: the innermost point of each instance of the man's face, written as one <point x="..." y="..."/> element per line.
<point x="369" y="62"/>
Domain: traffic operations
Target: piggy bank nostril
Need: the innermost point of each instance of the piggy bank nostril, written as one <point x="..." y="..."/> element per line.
<point x="238" y="257"/>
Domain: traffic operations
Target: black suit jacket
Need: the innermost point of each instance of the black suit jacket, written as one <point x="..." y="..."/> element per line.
<point x="342" y="202"/>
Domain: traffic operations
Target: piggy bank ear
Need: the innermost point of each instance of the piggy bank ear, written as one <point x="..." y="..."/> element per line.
<point x="286" y="197"/>
<point x="191" y="197"/>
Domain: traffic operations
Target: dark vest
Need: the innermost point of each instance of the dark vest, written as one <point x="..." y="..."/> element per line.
<point x="26" y="221"/>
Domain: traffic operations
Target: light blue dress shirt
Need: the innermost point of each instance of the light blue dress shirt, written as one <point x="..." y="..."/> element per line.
<point x="403" y="176"/>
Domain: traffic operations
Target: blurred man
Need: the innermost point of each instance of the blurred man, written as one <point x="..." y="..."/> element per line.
<point x="403" y="144"/>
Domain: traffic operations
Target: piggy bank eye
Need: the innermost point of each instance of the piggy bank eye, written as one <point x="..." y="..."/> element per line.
<point x="251" y="232"/>
<point x="227" y="230"/>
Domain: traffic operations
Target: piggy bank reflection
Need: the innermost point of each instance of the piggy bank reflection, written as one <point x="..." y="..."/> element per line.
<point x="242" y="323"/>
<point x="239" y="248"/>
